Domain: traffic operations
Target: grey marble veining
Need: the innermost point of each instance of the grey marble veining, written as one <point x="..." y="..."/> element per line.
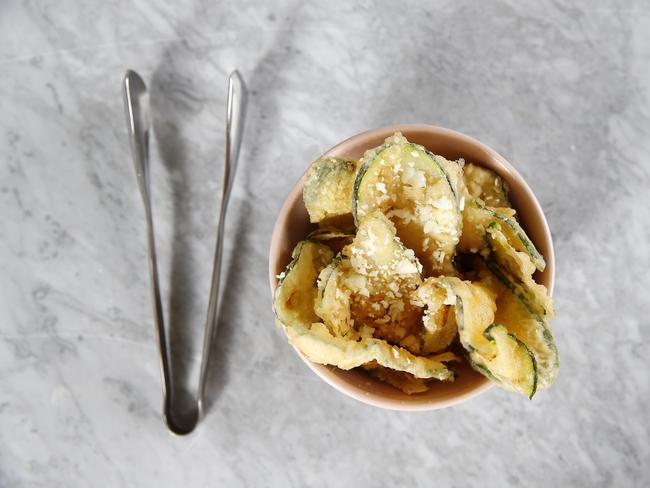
<point x="559" y="88"/>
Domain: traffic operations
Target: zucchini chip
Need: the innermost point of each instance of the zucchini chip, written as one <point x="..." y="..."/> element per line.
<point x="513" y="367"/>
<point x="405" y="382"/>
<point x="295" y="295"/>
<point x="380" y="274"/>
<point x="419" y="192"/>
<point x="439" y="321"/>
<point x="533" y="330"/>
<point x="475" y="307"/>
<point x="333" y="299"/>
<point x="531" y="293"/>
<point x="476" y="220"/>
<point x="487" y="185"/>
<point x="320" y="346"/>
<point x="328" y="189"/>
<point x="336" y="239"/>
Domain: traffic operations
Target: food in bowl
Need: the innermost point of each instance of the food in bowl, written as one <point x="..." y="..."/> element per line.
<point x="418" y="263"/>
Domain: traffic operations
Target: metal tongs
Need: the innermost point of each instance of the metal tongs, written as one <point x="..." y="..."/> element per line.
<point x="136" y="102"/>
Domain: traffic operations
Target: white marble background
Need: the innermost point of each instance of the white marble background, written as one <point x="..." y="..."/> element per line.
<point x="562" y="89"/>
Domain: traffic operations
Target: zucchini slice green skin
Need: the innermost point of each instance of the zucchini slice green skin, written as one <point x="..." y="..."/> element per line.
<point x="513" y="367"/>
<point x="332" y="304"/>
<point x="423" y="201"/>
<point x="327" y="273"/>
<point x="518" y="237"/>
<point x="474" y="309"/>
<point x="453" y="186"/>
<point x="324" y="235"/>
<point x="366" y="162"/>
<point x="515" y="312"/>
<point x="328" y="188"/>
<point x="517" y="263"/>
<point x="334" y="238"/>
<point x="369" y="160"/>
<point x="295" y="254"/>
<point x="294" y="297"/>
<point x="485" y="184"/>
<point x="525" y="289"/>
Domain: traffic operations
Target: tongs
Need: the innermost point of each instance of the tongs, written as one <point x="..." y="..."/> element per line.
<point x="136" y="102"/>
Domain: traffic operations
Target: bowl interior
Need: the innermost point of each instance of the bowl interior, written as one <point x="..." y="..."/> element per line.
<point x="293" y="225"/>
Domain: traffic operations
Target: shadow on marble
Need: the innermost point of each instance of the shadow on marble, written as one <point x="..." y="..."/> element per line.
<point x="167" y="117"/>
<point x="186" y="337"/>
<point x="262" y="85"/>
<point x="233" y="281"/>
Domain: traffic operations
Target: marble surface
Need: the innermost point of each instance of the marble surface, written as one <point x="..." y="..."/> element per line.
<point x="559" y="88"/>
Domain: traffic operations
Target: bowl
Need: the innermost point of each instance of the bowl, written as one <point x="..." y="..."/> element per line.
<point x="292" y="225"/>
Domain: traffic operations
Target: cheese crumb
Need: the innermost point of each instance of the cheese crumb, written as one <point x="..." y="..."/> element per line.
<point x="405" y="267"/>
<point x="450" y="299"/>
<point x="442" y="203"/>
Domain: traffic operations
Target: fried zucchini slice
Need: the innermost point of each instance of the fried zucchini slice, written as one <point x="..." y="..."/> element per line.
<point x="294" y="307"/>
<point x="378" y="253"/>
<point x="405" y="382"/>
<point x="418" y="191"/>
<point x="534" y="295"/>
<point x="328" y="189"/>
<point x="474" y="309"/>
<point x="327" y="234"/>
<point x="487" y="185"/>
<point x="439" y="321"/>
<point x="332" y="303"/>
<point x="515" y="269"/>
<point x="370" y="284"/>
<point x="515" y="262"/>
<point x="513" y="367"/>
<point x="336" y="239"/>
<point x="320" y="346"/>
<point x="504" y="359"/>
<point x="295" y="295"/>
<point x="381" y="277"/>
<point x="476" y="220"/>
<point x="531" y="329"/>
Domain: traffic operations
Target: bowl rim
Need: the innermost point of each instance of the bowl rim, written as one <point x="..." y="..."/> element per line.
<point x="323" y="371"/>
